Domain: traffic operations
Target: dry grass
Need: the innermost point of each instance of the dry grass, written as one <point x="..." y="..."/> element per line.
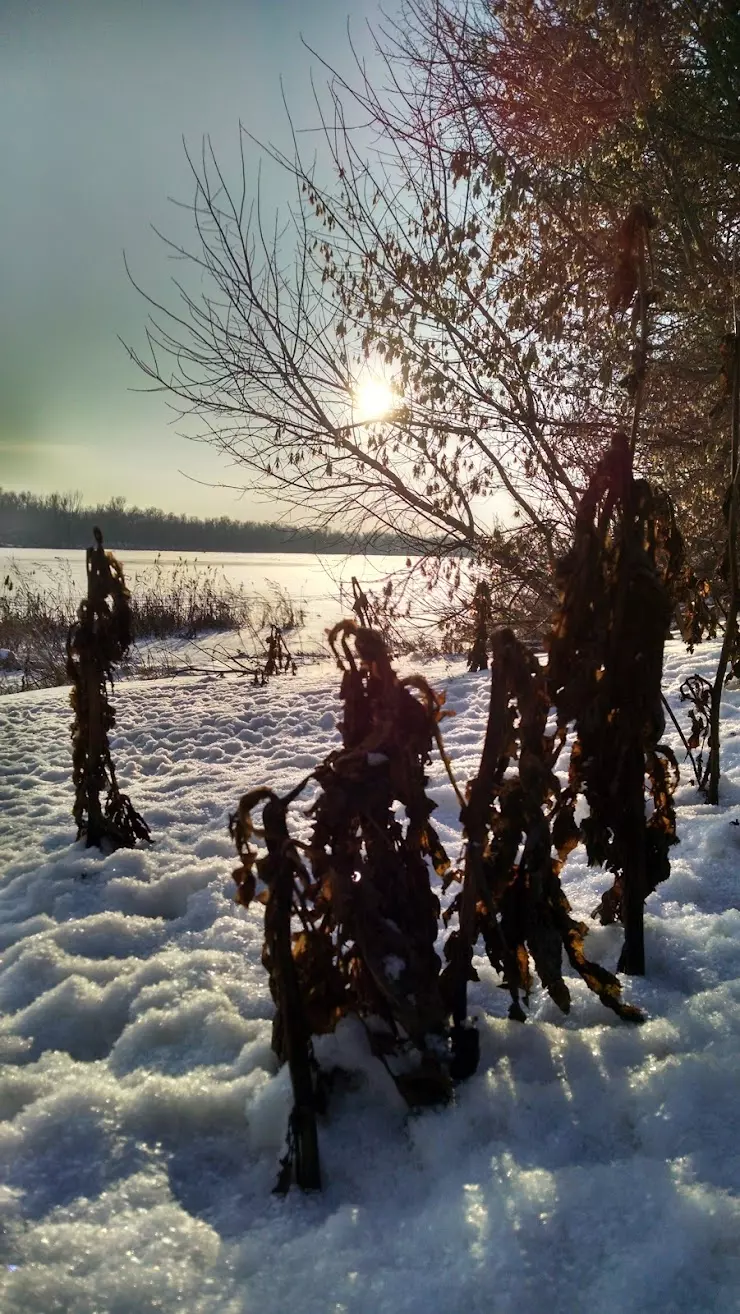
<point x="183" y="602"/>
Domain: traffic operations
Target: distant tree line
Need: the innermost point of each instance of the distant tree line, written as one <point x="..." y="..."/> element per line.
<point x="60" y="520"/>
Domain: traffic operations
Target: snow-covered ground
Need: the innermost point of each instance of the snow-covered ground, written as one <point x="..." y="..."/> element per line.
<point x="588" y="1165"/>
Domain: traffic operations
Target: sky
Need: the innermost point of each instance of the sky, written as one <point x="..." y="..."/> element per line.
<point x="95" y="99"/>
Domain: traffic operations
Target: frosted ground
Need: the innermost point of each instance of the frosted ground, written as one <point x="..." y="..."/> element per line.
<point x="587" y="1166"/>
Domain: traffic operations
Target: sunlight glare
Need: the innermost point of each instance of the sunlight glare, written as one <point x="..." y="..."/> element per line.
<point x="374" y="398"/>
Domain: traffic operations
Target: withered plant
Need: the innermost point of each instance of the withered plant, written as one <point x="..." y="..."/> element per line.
<point x="511" y="896"/>
<point x="286" y="893"/>
<point x="365" y="613"/>
<point x="603" y="681"/>
<point x="698" y="693"/>
<point x="697" y="610"/>
<point x="351" y="919"/>
<point x="276" y="659"/>
<point x="478" y="655"/>
<point x="604" y="673"/>
<point x="95" y="644"/>
<point x="279" y="658"/>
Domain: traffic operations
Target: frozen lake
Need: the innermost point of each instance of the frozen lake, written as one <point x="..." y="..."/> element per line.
<point x="318" y="586"/>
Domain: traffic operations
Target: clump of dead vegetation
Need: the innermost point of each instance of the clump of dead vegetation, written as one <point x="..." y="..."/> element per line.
<point x="35" y="616"/>
<point x="351" y="919"/>
<point x="352" y="916"/>
<point x="605" y="666"/>
<point x="515" y="815"/>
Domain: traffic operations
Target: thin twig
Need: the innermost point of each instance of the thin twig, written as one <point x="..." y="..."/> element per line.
<point x="684" y="740"/>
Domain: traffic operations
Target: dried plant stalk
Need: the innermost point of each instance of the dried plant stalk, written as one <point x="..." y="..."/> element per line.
<point x="98" y="640"/>
<point x="698" y="693"/>
<point x="280" y="870"/>
<point x="478" y="655"/>
<point x="279" y="657"/>
<point x="511" y="895"/>
<point x="604" y="671"/>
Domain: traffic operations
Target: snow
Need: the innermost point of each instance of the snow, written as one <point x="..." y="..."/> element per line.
<point x="588" y="1165"/>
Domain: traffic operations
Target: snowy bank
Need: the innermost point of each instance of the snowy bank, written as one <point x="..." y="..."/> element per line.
<point x="588" y="1165"/>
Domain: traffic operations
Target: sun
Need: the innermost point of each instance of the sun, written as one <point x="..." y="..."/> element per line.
<point x="374" y="399"/>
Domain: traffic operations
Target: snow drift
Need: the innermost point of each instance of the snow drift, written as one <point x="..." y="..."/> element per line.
<point x="587" y="1165"/>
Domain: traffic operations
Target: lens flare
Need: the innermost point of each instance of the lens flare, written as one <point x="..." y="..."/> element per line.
<point x="374" y="399"/>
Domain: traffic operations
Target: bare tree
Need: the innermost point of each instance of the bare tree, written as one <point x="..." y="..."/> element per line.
<point x="384" y="271"/>
<point x="263" y="362"/>
<point x="462" y="242"/>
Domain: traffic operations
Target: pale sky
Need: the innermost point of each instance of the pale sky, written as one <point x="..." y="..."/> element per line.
<point x="95" y="97"/>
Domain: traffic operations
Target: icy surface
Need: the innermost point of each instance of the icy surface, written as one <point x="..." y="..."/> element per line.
<point x="319" y="589"/>
<point x="587" y="1166"/>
